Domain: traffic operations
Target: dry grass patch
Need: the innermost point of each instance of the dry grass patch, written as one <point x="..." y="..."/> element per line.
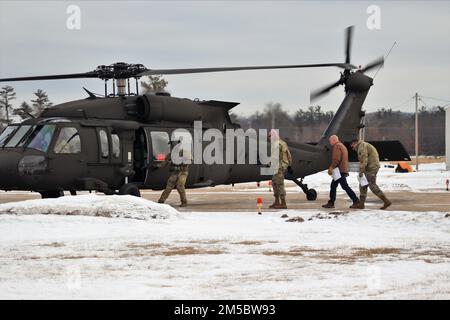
<point x="175" y="251"/>
<point x="369" y="253"/>
<point x="248" y="242"/>
<point x="145" y="245"/>
<point x="52" y="244"/>
<point x="211" y="241"/>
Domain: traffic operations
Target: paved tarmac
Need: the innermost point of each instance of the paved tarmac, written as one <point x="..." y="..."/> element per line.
<point x="227" y="198"/>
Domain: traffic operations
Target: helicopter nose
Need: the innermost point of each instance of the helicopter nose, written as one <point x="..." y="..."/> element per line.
<point x="9" y="175"/>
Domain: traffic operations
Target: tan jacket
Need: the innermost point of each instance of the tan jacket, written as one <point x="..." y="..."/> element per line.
<point x="339" y="157"/>
<point x="285" y="157"/>
<point x="368" y="157"/>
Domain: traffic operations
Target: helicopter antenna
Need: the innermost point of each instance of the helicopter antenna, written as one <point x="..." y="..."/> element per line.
<point x="387" y="55"/>
<point x="91" y="95"/>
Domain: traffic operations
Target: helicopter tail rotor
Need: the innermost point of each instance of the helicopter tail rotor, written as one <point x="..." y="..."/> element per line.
<point x="347" y="70"/>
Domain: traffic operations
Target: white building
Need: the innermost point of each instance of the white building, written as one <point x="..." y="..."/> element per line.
<point x="447" y="137"/>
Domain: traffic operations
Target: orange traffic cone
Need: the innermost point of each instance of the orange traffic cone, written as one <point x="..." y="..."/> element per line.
<point x="259" y="204"/>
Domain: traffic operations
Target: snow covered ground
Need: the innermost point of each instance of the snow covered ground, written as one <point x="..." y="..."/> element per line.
<point x="94" y="247"/>
<point x="362" y="254"/>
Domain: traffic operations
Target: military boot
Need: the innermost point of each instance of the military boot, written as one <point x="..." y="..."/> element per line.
<point x="164" y="196"/>
<point x="282" y="204"/>
<point x="386" y="202"/>
<point x="183" y="201"/>
<point x="328" y="205"/>
<point x="359" y="204"/>
<point x="276" y="203"/>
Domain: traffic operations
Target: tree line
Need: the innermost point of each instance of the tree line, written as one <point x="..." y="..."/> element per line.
<point x="308" y="124"/>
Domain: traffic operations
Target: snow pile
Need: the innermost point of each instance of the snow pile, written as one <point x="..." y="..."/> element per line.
<point x="93" y="205"/>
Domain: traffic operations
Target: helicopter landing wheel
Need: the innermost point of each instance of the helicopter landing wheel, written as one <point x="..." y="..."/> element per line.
<point x="52" y="194"/>
<point x="311" y="195"/>
<point x="130" y="189"/>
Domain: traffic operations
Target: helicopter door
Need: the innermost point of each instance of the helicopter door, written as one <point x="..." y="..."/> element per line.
<point x="140" y="152"/>
<point x="66" y="159"/>
<point x="158" y="149"/>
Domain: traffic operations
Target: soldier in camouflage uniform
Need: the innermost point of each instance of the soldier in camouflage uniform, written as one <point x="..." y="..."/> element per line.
<point x="369" y="164"/>
<point x="177" y="178"/>
<point x="285" y="161"/>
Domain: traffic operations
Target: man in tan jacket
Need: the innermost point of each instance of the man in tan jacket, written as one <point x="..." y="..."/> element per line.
<point x="339" y="159"/>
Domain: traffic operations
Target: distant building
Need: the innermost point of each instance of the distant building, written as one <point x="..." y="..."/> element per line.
<point x="447" y="137"/>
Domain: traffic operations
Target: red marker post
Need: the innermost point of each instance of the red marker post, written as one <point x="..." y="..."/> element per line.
<point x="270" y="185"/>
<point x="446" y="183"/>
<point x="259" y="204"/>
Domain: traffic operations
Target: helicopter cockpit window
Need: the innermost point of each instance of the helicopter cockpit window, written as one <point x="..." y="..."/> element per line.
<point x="41" y="137"/>
<point x="160" y="145"/>
<point x="18" y="136"/>
<point x="115" y="145"/>
<point x="104" y="145"/>
<point x="68" y="141"/>
<point x="6" y="134"/>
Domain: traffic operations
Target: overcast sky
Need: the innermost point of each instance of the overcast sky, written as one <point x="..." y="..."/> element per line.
<point x="34" y="40"/>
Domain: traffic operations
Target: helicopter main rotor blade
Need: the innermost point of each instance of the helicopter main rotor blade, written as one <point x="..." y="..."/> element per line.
<point x="54" y="77"/>
<point x="317" y="93"/>
<point x="348" y="42"/>
<point x="204" y="70"/>
<point x="374" y="64"/>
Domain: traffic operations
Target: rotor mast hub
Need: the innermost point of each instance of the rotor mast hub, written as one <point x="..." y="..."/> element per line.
<point x="120" y="73"/>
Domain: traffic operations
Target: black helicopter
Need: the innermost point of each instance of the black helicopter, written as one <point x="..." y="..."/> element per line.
<point x="116" y="143"/>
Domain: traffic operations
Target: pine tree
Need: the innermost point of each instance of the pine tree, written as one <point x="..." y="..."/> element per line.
<point x="6" y="95"/>
<point x="41" y="102"/>
<point x="24" y="111"/>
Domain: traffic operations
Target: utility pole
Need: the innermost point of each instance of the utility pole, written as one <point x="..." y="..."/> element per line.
<point x="273" y="117"/>
<point x="417" y="131"/>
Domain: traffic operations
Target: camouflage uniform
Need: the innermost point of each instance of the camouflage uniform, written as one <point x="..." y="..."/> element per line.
<point x="369" y="164"/>
<point x="285" y="161"/>
<point x="177" y="178"/>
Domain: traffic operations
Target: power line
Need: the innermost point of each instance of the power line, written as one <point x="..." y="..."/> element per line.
<point x="406" y="101"/>
<point x="437" y="99"/>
